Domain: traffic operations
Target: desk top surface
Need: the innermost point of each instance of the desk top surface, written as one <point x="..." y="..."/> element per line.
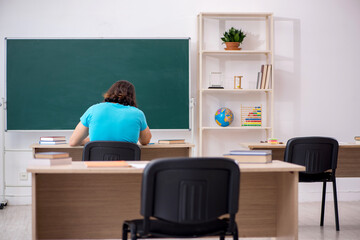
<point x="280" y="146"/>
<point x="156" y="145"/>
<point x="80" y="167"/>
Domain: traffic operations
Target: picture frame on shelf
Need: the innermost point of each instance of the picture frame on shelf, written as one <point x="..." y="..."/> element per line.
<point x="216" y="80"/>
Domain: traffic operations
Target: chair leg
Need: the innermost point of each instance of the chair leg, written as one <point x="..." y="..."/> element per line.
<point x="336" y="206"/>
<point x="222" y="237"/>
<point x="133" y="233"/>
<point x="125" y="231"/>
<point x="236" y="234"/>
<point x="323" y="204"/>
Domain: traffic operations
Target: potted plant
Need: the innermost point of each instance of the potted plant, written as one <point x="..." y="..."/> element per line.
<point x="233" y="38"/>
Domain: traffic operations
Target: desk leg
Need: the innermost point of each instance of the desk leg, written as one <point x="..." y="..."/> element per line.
<point x="85" y="206"/>
<point x="287" y="211"/>
<point x="33" y="206"/>
<point x="268" y="205"/>
<point x="257" y="204"/>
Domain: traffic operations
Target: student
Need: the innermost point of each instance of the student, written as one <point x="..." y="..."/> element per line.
<point x="115" y="119"/>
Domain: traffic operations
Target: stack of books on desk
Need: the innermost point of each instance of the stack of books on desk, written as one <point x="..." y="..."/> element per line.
<point x="51" y="158"/>
<point x="357" y="139"/>
<point x="52" y="140"/>
<point x="250" y="156"/>
<point x="171" y="141"/>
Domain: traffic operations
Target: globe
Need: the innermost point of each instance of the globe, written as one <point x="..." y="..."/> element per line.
<point x="224" y="117"/>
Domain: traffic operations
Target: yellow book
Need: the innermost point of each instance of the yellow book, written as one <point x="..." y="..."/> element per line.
<point x="171" y="141"/>
<point x="250" y="156"/>
<point x="250" y="159"/>
<point x="101" y="164"/>
<point x="51" y="155"/>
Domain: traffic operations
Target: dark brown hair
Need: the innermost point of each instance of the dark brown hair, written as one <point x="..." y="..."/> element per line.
<point x="122" y="92"/>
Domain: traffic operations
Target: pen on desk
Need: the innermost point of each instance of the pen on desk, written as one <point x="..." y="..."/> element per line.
<point x="151" y="143"/>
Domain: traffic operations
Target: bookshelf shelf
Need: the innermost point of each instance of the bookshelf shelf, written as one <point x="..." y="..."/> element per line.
<point x="231" y="16"/>
<point x="257" y="50"/>
<point x="236" y="91"/>
<point x="233" y="52"/>
<point x="235" y="128"/>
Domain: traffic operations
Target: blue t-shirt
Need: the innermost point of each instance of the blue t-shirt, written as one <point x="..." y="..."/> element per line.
<point x="114" y="122"/>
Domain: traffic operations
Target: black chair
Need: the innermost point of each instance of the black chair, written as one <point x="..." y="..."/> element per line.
<point x="319" y="156"/>
<point x="110" y="151"/>
<point x="185" y="197"/>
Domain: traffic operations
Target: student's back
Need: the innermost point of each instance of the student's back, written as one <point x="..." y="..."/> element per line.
<point x="114" y="122"/>
<point x="116" y="119"/>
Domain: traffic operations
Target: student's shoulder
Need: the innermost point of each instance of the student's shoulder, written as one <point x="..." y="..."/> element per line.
<point x="136" y="110"/>
<point x="96" y="106"/>
<point x="100" y="105"/>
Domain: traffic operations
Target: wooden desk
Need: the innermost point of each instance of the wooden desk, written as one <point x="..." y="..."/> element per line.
<point x="75" y="202"/>
<point x="348" y="156"/>
<point x="148" y="152"/>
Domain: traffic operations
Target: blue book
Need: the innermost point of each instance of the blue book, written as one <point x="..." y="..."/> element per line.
<point x="251" y="152"/>
<point x="52" y="142"/>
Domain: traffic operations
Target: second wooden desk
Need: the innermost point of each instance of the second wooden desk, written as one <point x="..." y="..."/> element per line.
<point x="348" y="156"/>
<point x="148" y="152"/>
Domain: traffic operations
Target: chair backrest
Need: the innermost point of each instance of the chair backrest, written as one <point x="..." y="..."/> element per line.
<point x="111" y="151"/>
<point x="317" y="154"/>
<point x="190" y="190"/>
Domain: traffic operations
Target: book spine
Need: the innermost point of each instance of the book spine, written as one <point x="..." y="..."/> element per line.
<point x="263" y="79"/>
<point x="258" y="80"/>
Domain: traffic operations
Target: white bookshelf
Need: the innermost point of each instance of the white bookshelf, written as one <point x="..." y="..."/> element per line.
<point x="257" y="50"/>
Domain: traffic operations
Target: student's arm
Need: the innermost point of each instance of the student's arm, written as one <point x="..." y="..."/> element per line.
<point x="79" y="136"/>
<point x="145" y="136"/>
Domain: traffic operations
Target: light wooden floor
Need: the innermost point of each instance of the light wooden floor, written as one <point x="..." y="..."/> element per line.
<point x="15" y="222"/>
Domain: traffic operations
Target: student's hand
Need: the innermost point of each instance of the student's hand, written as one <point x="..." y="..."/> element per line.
<point x="85" y="141"/>
<point x="145" y="136"/>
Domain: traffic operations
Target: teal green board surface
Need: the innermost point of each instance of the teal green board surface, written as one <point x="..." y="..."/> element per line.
<point x="51" y="82"/>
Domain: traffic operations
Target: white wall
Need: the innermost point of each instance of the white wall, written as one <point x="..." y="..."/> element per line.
<point x="316" y="61"/>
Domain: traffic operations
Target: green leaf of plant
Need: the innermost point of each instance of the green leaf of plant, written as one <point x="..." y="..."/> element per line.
<point x="236" y="37"/>
<point x="232" y="31"/>
<point x="233" y="35"/>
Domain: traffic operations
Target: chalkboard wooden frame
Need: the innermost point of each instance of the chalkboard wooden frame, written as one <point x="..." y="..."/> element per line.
<point x="179" y="117"/>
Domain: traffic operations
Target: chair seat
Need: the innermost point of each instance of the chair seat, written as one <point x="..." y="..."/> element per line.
<point x="315" y="177"/>
<point x="160" y="228"/>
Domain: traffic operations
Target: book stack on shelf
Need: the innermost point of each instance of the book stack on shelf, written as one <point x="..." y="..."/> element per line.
<point x="251" y="116"/>
<point x="171" y="141"/>
<point x="264" y="77"/>
<point x="51" y="159"/>
<point x="52" y="140"/>
<point x="250" y="156"/>
<point x="357" y="139"/>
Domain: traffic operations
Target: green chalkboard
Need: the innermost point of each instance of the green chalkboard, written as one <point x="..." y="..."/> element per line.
<point x="51" y="82"/>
